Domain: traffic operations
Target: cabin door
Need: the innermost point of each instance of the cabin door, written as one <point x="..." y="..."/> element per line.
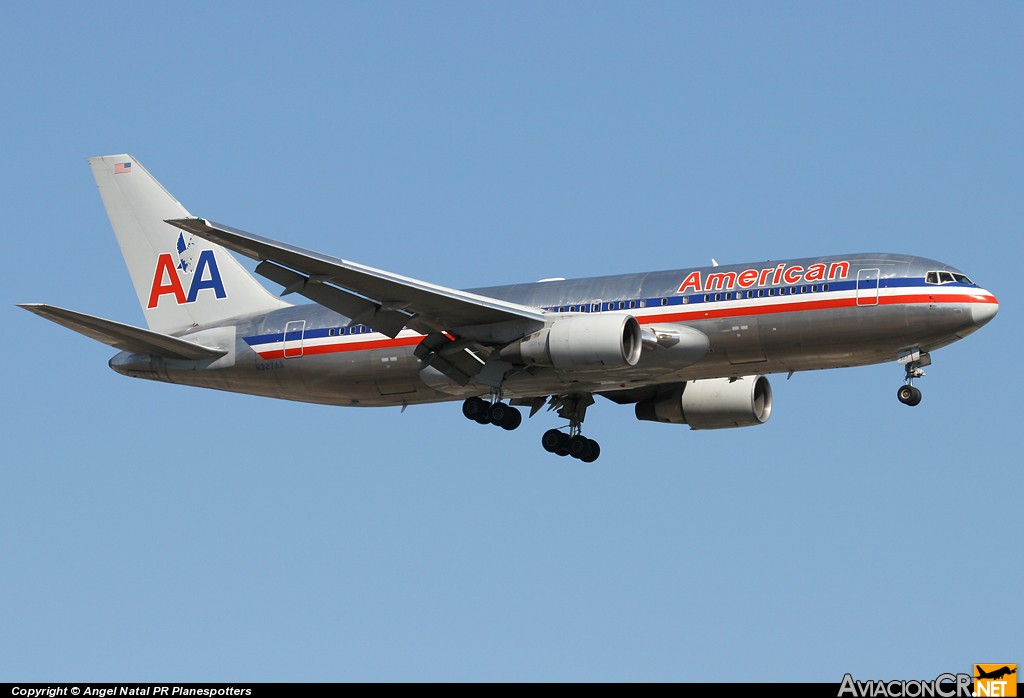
<point x="867" y="286"/>
<point x="293" y="333"/>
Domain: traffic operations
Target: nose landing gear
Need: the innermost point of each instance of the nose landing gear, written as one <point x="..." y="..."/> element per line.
<point x="913" y="363"/>
<point x="909" y="395"/>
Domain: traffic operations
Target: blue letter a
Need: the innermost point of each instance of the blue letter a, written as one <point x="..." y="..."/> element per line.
<point x="207" y="262"/>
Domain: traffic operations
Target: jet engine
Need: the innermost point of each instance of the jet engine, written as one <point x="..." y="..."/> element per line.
<point x="579" y="342"/>
<point x="717" y="403"/>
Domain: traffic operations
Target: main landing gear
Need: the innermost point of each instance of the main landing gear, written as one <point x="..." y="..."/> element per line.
<point x="557" y="441"/>
<point x="573" y="443"/>
<point x="913" y="363"/>
<point x="496" y="413"/>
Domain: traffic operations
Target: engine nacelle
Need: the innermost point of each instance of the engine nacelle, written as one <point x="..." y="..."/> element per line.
<point x="579" y="342"/>
<point x="716" y="403"/>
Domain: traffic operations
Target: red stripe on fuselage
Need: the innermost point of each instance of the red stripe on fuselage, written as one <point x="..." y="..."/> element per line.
<point x="308" y="350"/>
<point x="764" y="309"/>
<point x="793" y="307"/>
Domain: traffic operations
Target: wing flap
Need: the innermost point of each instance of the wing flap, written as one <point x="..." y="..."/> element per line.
<point x="122" y="336"/>
<point x="358" y="309"/>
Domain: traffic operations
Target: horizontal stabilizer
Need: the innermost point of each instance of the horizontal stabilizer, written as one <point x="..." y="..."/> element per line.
<point x="122" y="336"/>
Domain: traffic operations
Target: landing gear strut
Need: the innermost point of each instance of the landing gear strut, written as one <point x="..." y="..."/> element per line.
<point x="913" y="363"/>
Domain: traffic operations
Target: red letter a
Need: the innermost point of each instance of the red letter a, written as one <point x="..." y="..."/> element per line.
<point x="165" y="267"/>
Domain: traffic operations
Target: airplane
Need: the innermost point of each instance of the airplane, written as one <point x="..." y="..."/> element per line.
<point x="996" y="674"/>
<point x="688" y="346"/>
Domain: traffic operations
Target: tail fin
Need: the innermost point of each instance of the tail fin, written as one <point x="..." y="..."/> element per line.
<point x="181" y="280"/>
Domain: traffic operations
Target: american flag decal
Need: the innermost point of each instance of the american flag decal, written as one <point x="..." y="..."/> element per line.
<point x="123" y="168"/>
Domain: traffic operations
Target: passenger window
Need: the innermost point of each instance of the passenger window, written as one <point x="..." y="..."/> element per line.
<point x="664" y="301"/>
<point x="643" y="304"/>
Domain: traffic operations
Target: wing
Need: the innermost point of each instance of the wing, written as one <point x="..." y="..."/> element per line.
<point x="461" y="327"/>
<point x="122" y="336"/>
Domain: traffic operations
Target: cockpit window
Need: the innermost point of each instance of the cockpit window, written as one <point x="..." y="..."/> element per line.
<point x="946" y="277"/>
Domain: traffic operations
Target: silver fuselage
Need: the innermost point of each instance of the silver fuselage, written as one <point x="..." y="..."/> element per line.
<point x="767" y="317"/>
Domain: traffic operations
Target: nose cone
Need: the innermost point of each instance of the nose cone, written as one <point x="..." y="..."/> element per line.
<point x="984" y="311"/>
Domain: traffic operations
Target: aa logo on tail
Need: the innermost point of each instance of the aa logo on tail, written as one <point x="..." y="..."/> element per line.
<point x="199" y="268"/>
<point x="995" y="679"/>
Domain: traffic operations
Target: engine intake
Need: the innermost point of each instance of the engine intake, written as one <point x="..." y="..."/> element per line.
<point x="716" y="403"/>
<point x="579" y="342"/>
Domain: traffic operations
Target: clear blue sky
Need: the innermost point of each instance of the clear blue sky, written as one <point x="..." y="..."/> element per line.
<point x="153" y="532"/>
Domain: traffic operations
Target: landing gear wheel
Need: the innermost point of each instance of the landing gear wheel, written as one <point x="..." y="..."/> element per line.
<point x="551" y="440"/>
<point x="563" y="445"/>
<point x="584" y="449"/>
<point x="474" y="408"/>
<point x="579" y="446"/>
<point x="909" y="395"/>
<point x="555" y="442"/>
<point x="505" y="416"/>
<point x="595" y="452"/>
<point x="516" y="418"/>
